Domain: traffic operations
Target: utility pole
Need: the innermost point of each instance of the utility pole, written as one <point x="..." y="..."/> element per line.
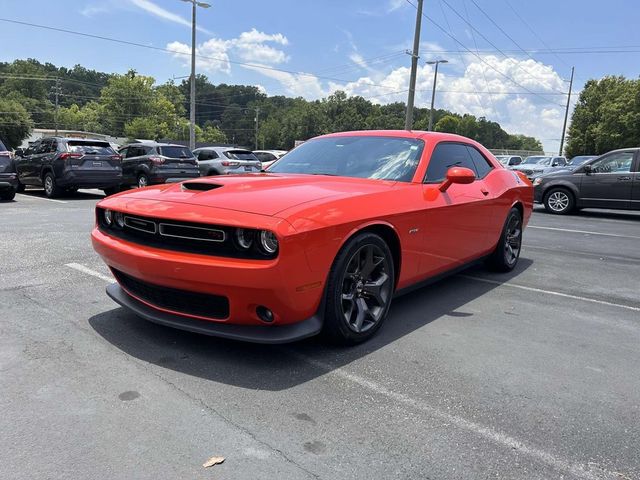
<point x="433" y="92"/>
<point x="408" y="123"/>
<point x="566" y="112"/>
<point x="257" y="117"/>
<point x="192" y="94"/>
<point x="57" y="92"/>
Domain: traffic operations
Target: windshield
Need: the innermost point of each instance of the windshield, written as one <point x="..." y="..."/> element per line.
<point x="175" y="152"/>
<point x="534" y="160"/>
<point x="383" y="158"/>
<point x="241" y="155"/>
<point x="580" y="159"/>
<point x="91" y="148"/>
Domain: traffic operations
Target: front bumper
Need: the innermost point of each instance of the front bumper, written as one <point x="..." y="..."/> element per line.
<point x="8" y="181"/>
<point x="247" y="333"/>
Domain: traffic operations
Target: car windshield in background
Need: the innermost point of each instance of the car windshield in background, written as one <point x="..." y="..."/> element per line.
<point x="579" y="160"/>
<point x="90" y="148"/>
<point x="240" y="155"/>
<point x="175" y="152"/>
<point x="383" y="158"/>
<point x="503" y="159"/>
<point x="534" y="160"/>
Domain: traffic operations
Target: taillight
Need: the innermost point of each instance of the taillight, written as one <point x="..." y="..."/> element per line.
<point x="227" y="163"/>
<point x="117" y="158"/>
<point x="157" y="160"/>
<point x="64" y="156"/>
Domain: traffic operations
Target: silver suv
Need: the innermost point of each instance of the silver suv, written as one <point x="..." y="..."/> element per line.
<point x="226" y="161"/>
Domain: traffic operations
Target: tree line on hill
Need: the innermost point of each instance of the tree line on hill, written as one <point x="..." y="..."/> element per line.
<point x="134" y="106"/>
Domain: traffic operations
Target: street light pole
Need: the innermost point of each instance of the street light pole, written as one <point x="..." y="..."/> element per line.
<point x="192" y="94"/>
<point x="566" y="113"/>
<point x="433" y="92"/>
<point x="408" y="122"/>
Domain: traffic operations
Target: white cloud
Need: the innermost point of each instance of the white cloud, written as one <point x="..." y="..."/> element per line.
<point x="295" y="84"/>
<point x="394" y="5"/>
<point x="156" y="10"/>
<point x="213" y="55"/>
<point x="93" y="10"/>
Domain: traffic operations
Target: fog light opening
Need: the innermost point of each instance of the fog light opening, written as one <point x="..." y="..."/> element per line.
<point x="264" y="314"/>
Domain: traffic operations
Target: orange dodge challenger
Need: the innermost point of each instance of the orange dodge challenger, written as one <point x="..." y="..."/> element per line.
<point x="321" y="242"/>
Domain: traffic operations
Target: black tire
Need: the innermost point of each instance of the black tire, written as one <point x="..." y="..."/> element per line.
<point x="71" y="190"/>
<point x="559" y="201"/>
<point x="8" y="195"/>
<point x="21" y="187"/>
<point x="359" y="291"/>
<point x="505" y="257"/>
<point x="51" y="189"/>
<point x="111" y="190"/>
<point x="143" y="180"/>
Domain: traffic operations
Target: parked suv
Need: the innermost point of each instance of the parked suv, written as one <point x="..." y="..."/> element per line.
<point x="8" y="176"/>
<point x="268" y="157"/>
<point x="226" y="161"/>
<point x="609" y="181"/>
<point x="151" y="163"/>
<point x="62" y="164"/>
<point x="509" y="160"/>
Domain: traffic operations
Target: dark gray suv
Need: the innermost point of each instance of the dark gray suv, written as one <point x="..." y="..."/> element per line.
<point x="8" y="176"/>
<point x="150" y="163"/>
<point x="611" y="180"/>
<point x="61" y="164"/>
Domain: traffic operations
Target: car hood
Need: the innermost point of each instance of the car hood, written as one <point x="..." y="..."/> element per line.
<point x="262" y="194"/>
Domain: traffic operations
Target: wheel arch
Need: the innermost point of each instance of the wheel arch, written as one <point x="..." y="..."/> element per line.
<point x="571" y="187"/>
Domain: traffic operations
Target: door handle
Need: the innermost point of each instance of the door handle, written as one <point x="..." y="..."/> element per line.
<point x="624" y="179"/>
<point x="484" y="191"/>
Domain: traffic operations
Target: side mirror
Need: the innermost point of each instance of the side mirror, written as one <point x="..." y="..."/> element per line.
<point x="19" y="152"/>
<point x="460" y="175"/>
<point x="588" y="169"/>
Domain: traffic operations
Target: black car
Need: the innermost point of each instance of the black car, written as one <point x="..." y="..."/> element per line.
<point x="151" y="163"/>
<point x="611" y="180"/>
<point x="8" y="176"/>
<point x="61" y="164"/>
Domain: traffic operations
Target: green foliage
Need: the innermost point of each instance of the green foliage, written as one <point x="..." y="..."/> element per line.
<point x="212" y="134"/>
<point x="15" y="125"/>
<point x="606" y="117"/>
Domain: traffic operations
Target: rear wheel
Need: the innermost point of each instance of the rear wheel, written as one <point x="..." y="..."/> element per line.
<point x="360" y="289"/>
<point x="505" y="257"/>
<point x="51" y="190"/>
<point x="143" y="180"/>
<point x="559" y="201"/>
<point x="8" y="195"/>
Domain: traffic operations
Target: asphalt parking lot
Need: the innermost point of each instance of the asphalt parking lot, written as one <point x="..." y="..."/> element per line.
<point x="532" y="375"/>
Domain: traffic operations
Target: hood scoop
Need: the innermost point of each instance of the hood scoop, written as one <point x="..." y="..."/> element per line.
<point x="199" y="186"/>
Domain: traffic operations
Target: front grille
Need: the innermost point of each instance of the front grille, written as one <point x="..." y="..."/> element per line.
<point x="179" y="301"/>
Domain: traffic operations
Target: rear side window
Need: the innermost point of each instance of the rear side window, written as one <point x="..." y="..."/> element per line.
<point x="207" y="155"/>
<point x="481" y="163"/>
<point x="265" y="156"/>
<point x="90" y="147"/>
<point x="445" y="156"/>
<point x="240" y="155"/>
<point x="175" y="152"/>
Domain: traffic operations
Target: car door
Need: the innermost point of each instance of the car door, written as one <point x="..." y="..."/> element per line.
<point x="456" y="223"/>
<point x="607" y="181"/>
<point x="37" y="161"/>
<point x="635" y="184"/>
<point x="23" y="163"/>
<point x="130" y="164"/>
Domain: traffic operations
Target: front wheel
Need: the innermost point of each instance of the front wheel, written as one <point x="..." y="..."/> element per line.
<point x="51" y="189"/>
<point x="143" y="180"/>
<point x="559" y="201"/>
<point x="360" y="289"/>
<point x="505" y="257"/>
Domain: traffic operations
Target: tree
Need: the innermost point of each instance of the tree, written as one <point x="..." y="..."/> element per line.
<point x="15" y="125"/>
<point x="448" y="123"/>
<point x="212" y="134"/>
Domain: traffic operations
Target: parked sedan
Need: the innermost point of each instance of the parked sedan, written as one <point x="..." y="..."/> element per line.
<point x="535" y="166"/>
<point x="268" y="157"/>
<point x="151" y="163"/>
<point x="321" y="242"/>
<point x="226" y="161"/>
<point x="61" y="164"/>
<point x="8" y="175"/>
<point x="609" y="181"/>
<point x="509" y="160"/>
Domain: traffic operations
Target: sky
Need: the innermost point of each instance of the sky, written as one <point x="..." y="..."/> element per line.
<point x="508" y="60"/>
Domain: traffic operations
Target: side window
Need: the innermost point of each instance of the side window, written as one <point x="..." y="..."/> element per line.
<point x="614" y="163"/>
<point x="133" y="152"/>
<point x="147" y="151"/>
<point x="54" y="146"/>
<point x="123" y="152"/>
<point x="206" y="155"/>
<point x="483" y="167"/>
<point x="445" y="156"/>
<point x="44" y="147"/>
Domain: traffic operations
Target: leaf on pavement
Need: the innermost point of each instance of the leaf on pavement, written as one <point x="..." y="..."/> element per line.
<point x="213" y="461"/>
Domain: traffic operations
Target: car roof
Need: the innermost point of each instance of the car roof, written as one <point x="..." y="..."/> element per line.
<point x="73" y="139"/>
<point x="223" y="149"/>
<point x="153" y="144"/>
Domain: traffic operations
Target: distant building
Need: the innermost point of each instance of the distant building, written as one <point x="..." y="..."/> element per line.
<point x="38" y="133"/>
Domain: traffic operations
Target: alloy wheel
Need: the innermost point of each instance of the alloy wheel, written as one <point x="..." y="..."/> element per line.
<point x="48" y="185"/>
<point x="558" y="201"/>
<point x="142" y="181"/>
<point x="513" y="240"/>
<point x="366" y="288"/>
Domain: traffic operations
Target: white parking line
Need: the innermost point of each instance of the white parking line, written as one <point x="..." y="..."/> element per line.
<point x="495" y="436"/>
<point x="584" y="232"/>
<point x="42" y="198"/>
<point x="88" y="271"/>
<point x="550" y="292"/>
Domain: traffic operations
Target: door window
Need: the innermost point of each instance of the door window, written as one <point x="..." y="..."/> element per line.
<point x="445" y="156"/>
<point x="483" y="167"/>
<point x="207" y="155"/>
<point x="45" y="146"/>
<point x="614" y="163"/>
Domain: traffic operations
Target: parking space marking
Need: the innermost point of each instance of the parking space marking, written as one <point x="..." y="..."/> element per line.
<point x="88" y="271"/>
<point x="488" y="433"/>
<point x="41" y="198"/>
<point x="550" y="292"/>
<point x="584" y="232"/>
